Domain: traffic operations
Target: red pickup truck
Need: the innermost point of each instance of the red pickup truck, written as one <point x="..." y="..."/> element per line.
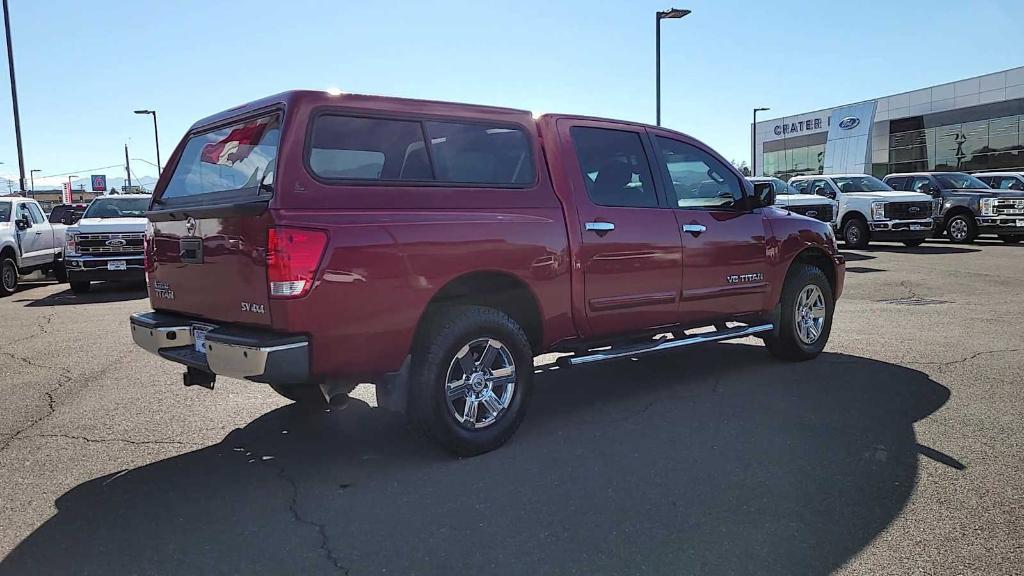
<point x="313" y="241"/>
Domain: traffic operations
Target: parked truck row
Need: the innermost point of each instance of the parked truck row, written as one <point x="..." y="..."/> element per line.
<point x="911" y="207"/>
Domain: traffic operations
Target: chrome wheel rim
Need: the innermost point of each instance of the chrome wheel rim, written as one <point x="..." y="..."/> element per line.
<point x="852" y="234"/>
<point x="10" y="276"/>
<point x="480" y="383"/>
<point x="810" y="314"/>
<point x="958" y="229"/>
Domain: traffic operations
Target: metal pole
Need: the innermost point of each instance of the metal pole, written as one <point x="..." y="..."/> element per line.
<point x="156" y="136"/>
<point x="657" y="66"/>
<point x="14" y="98"/>
<point x="753" y="144"/>
<point x="127" y="169"/>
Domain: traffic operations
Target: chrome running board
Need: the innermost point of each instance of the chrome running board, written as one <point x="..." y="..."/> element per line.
<point x="659" y="345"/>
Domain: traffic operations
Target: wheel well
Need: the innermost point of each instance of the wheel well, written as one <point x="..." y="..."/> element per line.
<point x="9" y="252"/>
<point x="495" y="290"/>
<point x="853" y="214"/>
<point x="958" y="210"/>
<point x="820" y="260"/>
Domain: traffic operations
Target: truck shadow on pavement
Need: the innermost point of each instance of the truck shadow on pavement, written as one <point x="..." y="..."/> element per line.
<point x="101" y="293"/>
<point x="712" y="460"/>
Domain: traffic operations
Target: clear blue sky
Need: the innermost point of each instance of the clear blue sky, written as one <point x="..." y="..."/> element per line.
<point x="84" y="66"/>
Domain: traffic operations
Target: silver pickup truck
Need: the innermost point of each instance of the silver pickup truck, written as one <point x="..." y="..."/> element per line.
<point x="28" y="243"/>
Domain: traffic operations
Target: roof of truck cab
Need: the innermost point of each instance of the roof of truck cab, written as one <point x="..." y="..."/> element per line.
<point x="809" y="176"/>
<point x="314" y="98"/>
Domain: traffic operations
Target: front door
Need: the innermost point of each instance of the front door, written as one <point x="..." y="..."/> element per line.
<point x="36" y="242"/>
<point x="724" y="259"/>
<point x="630" y="249"/>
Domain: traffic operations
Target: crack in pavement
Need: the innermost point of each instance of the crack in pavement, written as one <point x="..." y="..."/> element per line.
<point x="66" y="377"/>
<point x="971" y="357"/>
<point x="107" y="440"/>
<point x="293" y="508"/>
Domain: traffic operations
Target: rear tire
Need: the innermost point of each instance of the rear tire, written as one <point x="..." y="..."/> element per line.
<point x="8" y="276"/>
<point x="855" y="234"/>
<point x="471" y="379"/>
<point x="914" y="243"/>
<point x="79" y="287"/>
<point x="962" y="229"/>
<point x="806" y="297"/>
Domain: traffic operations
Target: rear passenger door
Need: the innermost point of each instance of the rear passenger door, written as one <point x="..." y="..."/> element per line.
<point x="630" y="251"/>
<point x="724" y="259"/>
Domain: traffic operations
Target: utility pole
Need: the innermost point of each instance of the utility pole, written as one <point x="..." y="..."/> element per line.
<point x="14" y="98"/>
<point x="127" y="169"/>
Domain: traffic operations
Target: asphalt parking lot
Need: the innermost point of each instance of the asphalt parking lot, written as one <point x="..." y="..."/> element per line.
<point x="898" y="451"/>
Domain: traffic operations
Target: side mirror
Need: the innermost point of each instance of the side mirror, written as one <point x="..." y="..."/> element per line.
<point x="935" y="191"/>
<point x="23" y="223"/>
<point x="764" y="195"/>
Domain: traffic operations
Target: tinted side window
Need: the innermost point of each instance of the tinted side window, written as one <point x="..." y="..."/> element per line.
<point x="478" y="153"/>
<point x="614" y="166"/>
<point x="57" y="214"/>
<point x="920" y="184"/>
<point x="349" y="148"/>
<point x="896" y="182"/>
<point x="821" y="187"/>
<point x="800" y="185"/>
<point x="698" y="179"/>
<point x="36" y="214"/>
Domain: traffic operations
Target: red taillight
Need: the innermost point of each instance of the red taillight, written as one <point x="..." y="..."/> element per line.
<point x="293" y="255"/>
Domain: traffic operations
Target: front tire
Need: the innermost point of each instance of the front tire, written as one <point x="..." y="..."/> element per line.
<point x="8" y="276"/>
<point x="962" y="229"/>
<point x="79" y="287"/>
<point x="60" y="272"/>
<point x="805" y="318"/>
<point x="914" y="243"/>
<point x="855" y="234"/>
<point x="471" y="380"/>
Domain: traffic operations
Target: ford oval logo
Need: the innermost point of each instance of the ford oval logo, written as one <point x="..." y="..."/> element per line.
<point x="115" y="243"/>
<point x="849" y="123"/>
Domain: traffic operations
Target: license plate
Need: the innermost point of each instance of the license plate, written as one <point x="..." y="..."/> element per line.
<point x="199" y="336"/>
<point x="117" y="265"/>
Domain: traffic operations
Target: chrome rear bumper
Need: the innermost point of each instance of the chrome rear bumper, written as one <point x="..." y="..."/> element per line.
<point x="237" y="352"/>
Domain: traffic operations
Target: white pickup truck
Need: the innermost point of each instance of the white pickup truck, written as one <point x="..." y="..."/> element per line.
<point x="870" y="210"/>
<point x="28" y="243"/>
<point x="788" y="197"/>
<point x="107" y="243"/>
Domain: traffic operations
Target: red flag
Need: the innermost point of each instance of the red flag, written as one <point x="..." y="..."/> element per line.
<point x="236" y="146"/>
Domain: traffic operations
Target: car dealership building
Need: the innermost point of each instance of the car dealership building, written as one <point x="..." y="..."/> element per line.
<point x="969" y="125"/>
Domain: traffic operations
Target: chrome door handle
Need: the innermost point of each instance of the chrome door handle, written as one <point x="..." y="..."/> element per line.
<point x="695" y="229"/>
<point x="599" y="227"/>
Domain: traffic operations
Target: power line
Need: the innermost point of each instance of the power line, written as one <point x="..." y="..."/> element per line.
<point x="74" y="172"/>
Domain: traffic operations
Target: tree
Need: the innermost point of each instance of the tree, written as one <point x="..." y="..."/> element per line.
<point x="741" y="166"/>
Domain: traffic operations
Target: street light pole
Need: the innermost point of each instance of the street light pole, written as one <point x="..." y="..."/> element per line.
<point x="14" y="98"/>
<point x="32" y="177"/>
<point x="156" y="136"/>
<point x="753" y="141"/>
<point x="658" y="17"/>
